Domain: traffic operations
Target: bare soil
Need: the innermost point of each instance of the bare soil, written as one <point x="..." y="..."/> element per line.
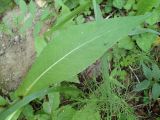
<point x="17" y="54"/>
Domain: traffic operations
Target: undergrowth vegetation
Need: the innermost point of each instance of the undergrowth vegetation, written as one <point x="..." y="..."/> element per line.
<point x="95" y="60"/>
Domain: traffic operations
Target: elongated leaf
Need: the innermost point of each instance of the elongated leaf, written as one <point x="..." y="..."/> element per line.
<point x="68" y="17"/>
<point x="140" y="30"/>
<point x="32" y="7"/>
<point x="14" y="109"/>
<point x="23" y="6"/>
<point x="97" y="11"/>
<point x="73" y="49"/>
<point x="14" y="115"/>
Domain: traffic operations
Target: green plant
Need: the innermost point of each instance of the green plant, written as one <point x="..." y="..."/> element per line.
<point x="77" y="48"/>
<point x="68" y="46"/>
<point x="5" y="4"/>
<point x="152" y="80"/>
<point x="143" y="6"/>
<point x="114" y="103"/>
<point x="103" y="98"/>
<point x="72" y="48"/>
<point x="145" y="41"/>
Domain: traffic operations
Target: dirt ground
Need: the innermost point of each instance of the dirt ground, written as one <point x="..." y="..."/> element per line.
<point x="17" y="54"/>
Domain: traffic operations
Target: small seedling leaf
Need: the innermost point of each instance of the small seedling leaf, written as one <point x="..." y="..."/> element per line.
<point x="143" y="85"/>
<point x="145" y="41"/>
<point x="147" y="72"/>
<point x="126" y="43"/>
<point x="65" y="113"/>
<point x="118" y="3"/>
<point x="156" y="91"/>
<point x="146" y="5"/>
<point x="156" y="72"/>
<point x="54" y="100"/>
<point x="46" y="107"/>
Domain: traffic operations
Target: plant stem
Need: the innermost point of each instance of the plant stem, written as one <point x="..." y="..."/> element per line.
<point x="67" y="18"/>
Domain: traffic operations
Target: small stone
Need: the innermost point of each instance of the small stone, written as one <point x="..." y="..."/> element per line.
<point x="16" y="38"/>
<point x="3" y="45"/>
<point x="1" y="52"/>
<point x="17" y="53"/>
<point x="1" y="36"/>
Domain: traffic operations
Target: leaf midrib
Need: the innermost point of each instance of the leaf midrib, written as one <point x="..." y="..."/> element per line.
<point x="55" y="63"/>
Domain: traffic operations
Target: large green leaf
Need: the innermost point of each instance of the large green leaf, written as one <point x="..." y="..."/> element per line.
<point x="73" y="49"/>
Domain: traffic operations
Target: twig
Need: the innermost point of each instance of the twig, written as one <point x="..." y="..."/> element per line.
<point x="134" y="74"/>
<point x="110" y="15"/>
